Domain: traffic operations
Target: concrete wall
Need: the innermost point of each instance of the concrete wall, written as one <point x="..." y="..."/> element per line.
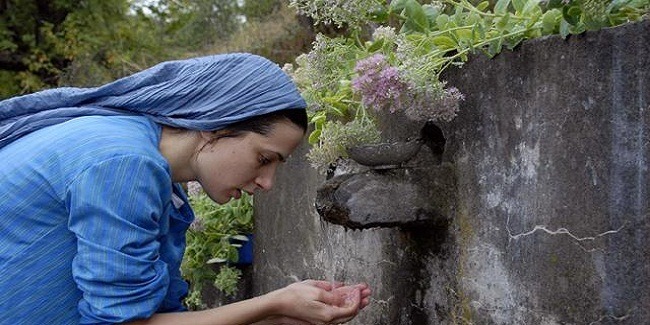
<point x="551" y="221"/>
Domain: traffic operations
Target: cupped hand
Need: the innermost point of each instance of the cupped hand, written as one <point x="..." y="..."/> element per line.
<point x="321" y="302"/>
<point x="358" y="294"/>
<point x="343" y="290"/>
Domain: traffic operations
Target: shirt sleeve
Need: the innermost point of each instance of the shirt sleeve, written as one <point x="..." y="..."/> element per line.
<point x="115" y="209"/>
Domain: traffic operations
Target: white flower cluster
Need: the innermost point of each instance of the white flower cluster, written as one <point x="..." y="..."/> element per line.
<point x="437" y="106"/>
<point x="385" y="33"/>
<point x="352" y="13"/>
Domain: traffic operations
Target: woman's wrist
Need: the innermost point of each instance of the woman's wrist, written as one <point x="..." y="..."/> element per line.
<point x="271" y="304"/>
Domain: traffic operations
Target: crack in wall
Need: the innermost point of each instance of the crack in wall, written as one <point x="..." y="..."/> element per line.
<point x="563" y="231"/>
<point x="612" y="317"/>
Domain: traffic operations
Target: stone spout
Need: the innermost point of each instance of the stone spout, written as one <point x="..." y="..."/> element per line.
<point x="401" y="197"/>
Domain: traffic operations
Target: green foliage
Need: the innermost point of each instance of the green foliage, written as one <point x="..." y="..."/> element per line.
<point x="260" y="9"/>
<point x="132" y="42"/>
<point x="337" y="137"/>
<point x="194" y="23"/>
<point x="39" y="39"/>
<point x="227" y="279"/>
<point x="214" y="238"/>
<point x="194" y="300"/>
<point x="281" y="36"/>
<point x="345" y="77"/>
<point x="353" y="14"/>
<point x="578" y="16"/>
<point x="46" y="44"/>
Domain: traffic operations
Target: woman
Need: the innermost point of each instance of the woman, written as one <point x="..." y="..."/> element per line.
<point x="93" y="216"/>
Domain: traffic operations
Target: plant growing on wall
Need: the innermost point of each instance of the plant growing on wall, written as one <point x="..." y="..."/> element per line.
<point x="214" y="238"/>
<point x="394" y="52"/>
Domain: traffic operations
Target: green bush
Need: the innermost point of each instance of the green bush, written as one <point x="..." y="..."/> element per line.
<point x="213" y="238"/>
<point x="394" y="52"/>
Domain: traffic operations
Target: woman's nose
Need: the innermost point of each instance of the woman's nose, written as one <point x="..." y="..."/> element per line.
<point x="264" y="181"/>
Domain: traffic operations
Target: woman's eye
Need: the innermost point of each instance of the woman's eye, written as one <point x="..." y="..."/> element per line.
<point x="264" y="160"/>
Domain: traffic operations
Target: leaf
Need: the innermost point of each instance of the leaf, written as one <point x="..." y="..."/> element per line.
<point x="442" y="21"/>
<point x="240" y="237"/>
<point x="572" y="14"/>
<point x="431" y="12"/>
<point x="216" y="260"/>
<point x="379" y="16"/>
<point x="530" y="6"/>
<point x="518" y="5"/>
<point x="564" y="28"/>
<point x="337" y="111"/>
<point x="376" y="45"/>
<point x="320" y="117"/>
<point x="7" y="45"/>
<point x="444" y="42"/>
<point x="554" y="4"/>
<point x="502" y="23"/>
<point x="314" y="136"/>
<point x="478" y="31"/>
<point x="550" y="20"/>
<point x="398" y="5"/>
<point x="501" y="7"/>
<point x="483" y="5"/>
<point x="463" y="37"/>
<point x="495" y="47"/>
<point x="416" y="18"/>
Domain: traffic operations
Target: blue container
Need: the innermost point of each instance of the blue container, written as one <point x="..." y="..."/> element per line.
<point x="246" y="251"/>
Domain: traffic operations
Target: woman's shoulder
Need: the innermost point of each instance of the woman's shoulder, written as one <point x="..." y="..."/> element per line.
<point x="104" y="137"/>
<point x="110" y="127"/>
<point x="54" y="157"/>
<point x="84" y="141"/>
<point x="128" y="133"/>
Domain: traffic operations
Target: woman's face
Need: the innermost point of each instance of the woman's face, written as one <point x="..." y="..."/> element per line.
<point x="229" y="165"/>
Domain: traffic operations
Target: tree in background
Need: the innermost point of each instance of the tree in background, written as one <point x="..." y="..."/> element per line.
<point x="272" y="30"/>
<point x="40" y="39"/>
<point x="193" y="24"/>
<point x="50" y="43"/>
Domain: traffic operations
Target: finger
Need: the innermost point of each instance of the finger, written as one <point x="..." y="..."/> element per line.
<point x="364" y="302"/>
<point x="366" y="292"/>
<point x="326" y="285"/>
<point x="331" y="298"/>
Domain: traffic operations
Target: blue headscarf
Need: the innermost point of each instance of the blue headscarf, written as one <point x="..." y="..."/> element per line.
<point x="206" y="93"/>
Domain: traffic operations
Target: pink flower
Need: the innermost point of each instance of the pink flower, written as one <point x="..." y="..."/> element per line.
<point x="379" y="84"/>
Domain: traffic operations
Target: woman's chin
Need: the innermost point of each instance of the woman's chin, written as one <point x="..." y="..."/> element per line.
<point x="220" y="199"/>
<point x="236" y="194"/>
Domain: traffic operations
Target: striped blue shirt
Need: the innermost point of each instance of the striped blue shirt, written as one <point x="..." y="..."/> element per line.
<point x="92" y="229"/>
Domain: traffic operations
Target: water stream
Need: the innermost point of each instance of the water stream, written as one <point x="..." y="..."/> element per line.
<point x="332" y="261"/>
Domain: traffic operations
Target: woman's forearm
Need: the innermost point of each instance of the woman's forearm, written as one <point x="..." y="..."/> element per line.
<point x="240" y="313"/>
<point x="306" y="302"/>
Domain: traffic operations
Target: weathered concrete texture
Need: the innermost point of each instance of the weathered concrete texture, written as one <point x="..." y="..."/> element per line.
<point x="551" y="150"/>
<point x="551" y="223"/>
